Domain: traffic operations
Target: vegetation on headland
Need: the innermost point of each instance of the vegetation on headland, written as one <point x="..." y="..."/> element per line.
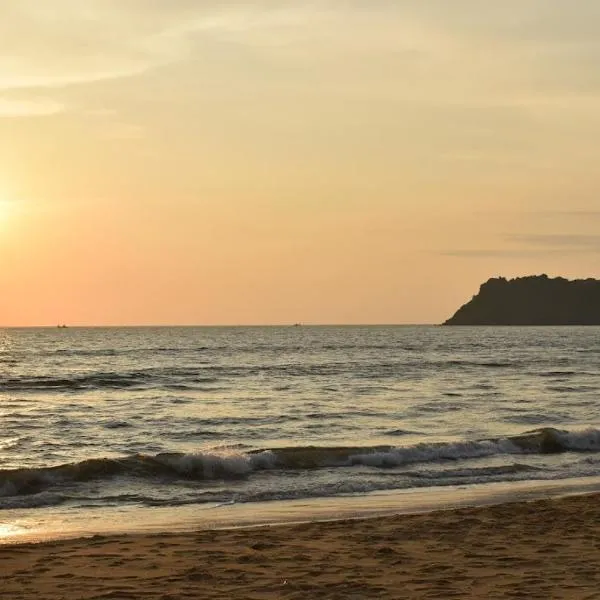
<point x="533" y="300"/>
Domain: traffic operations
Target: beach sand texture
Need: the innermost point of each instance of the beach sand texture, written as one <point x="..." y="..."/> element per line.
<point x="541" y="549"/>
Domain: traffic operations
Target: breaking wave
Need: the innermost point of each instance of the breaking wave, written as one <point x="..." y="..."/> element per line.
<point x="41" y="484"/>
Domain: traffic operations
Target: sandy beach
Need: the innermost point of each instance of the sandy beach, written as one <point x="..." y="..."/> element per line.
<point x="539" y="549"/>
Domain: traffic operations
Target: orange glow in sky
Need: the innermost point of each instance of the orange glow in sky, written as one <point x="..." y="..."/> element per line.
<point x="246" y="163"/>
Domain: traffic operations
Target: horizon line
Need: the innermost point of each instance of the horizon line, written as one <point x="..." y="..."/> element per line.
<point x="150" y="325"/>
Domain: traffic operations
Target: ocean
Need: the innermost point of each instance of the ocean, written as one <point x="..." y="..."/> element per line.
<point x="143" y="419"/>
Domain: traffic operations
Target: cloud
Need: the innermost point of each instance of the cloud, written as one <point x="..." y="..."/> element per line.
<point x="72" y="42"/>
<point x="573" y="241"/>
<point x="69" y="43"/>
<point x="497" y="253"/>
<point x="66" y="41"/>
<point x="567" y="214"/>
<point x="536" y="245"/>
<point x="29" y="108"/>
<point x="526" y="54"/>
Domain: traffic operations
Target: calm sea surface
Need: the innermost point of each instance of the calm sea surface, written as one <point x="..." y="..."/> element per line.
<point x="210" y="416"/>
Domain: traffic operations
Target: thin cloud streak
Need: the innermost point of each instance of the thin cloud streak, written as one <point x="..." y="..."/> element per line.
<point x="29" y="108"/>
<point x="501" y="253"/>
<point x="560" y="240"/>
<point x="553" y="244"/>
<point x="566" y="214"/>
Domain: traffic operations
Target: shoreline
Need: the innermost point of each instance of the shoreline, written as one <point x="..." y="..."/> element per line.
<point x="64" y="523"/>
<point x="524" y="549"/>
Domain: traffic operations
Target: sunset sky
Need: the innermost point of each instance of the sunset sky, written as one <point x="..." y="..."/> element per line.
<point x="215" y="162"/>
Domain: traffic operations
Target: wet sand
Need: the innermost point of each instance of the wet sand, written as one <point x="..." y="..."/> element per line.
<point x="539" y="549"/>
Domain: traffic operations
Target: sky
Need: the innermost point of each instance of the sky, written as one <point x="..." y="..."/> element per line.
<point x="271" y="162"/>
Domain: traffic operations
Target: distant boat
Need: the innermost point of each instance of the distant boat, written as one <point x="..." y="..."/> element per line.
<point x="297" y="325"/>
<point x="61" y="326"/>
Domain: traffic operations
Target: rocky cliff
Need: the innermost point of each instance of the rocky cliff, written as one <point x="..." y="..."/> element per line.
<point x="535" y="300"/>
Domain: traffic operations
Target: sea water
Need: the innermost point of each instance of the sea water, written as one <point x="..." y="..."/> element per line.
<point x="97" y="419"/>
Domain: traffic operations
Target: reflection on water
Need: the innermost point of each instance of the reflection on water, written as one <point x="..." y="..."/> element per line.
<point x="11" y="530"/>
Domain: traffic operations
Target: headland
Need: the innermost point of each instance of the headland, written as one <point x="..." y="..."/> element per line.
<point x="532" y="300"/>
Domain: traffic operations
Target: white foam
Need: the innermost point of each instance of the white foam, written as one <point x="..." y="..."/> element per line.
<point x="215" y="465"/>
<point x="433" y="452"/>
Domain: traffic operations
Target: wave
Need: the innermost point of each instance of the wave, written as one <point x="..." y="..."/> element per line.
<point x="481" y="473"/>
<point x="40" y="500"/>
<point x="471" y="363"/>
<point x="168" y="378"/>
<point x="103" y="352"/>
<point x="229" y="464"/>
<point x="565" y="373"/>
<point x="116" y="424"/>
<point x="200" y="375"/>
<point x="79" y="382"/>
<point x="203" y="466"/>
